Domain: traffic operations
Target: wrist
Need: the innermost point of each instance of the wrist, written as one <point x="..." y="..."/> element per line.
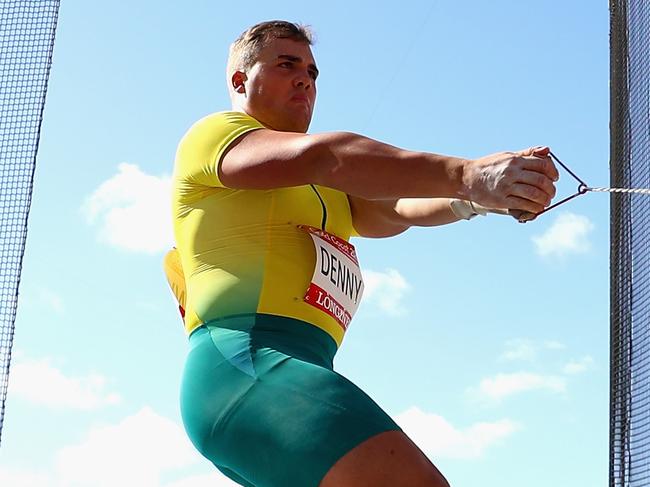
<point x="465" y="176"/>
<point x="465" y="209"/>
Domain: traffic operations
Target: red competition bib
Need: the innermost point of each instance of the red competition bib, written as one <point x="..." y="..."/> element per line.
<point x="337" y="285"/>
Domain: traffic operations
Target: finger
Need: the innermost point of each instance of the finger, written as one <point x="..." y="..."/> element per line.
<point x="518" y="202"/>
<point x="542" y="165"/>
<point x="538" y="180"/>
<point x="531" y="193"/>
<point x="540" y="150"/>
<point x="522" y="216"/>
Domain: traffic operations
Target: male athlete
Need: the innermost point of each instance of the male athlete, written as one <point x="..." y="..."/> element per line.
<point x="263" y="214"/>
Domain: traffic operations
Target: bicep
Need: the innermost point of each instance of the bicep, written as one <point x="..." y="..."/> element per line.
<point x="266" y="159"/>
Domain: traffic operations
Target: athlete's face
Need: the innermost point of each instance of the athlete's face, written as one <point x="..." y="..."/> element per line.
<point x="280" y="88"/>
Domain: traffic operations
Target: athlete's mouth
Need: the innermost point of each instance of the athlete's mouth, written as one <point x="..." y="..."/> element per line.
<point x="300" y="98"/>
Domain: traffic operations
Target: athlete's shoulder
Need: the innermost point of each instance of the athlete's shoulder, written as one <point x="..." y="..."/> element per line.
<point x="200" y="150"/>
<point x="222" y="123"/>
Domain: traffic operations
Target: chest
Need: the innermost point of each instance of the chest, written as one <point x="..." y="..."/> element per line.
<point x="314" y="205"/>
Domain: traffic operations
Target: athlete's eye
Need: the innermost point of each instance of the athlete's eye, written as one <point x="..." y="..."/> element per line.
<point x="286" y="64"/>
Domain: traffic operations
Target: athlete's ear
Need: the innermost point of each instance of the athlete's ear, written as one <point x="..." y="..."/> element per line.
<point x="238" y="78"/>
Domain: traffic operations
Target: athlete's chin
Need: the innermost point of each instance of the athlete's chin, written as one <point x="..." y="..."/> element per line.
<point x="297" y="124"/>
<point x="298" y="115"/>
<point x="288" y="120"/>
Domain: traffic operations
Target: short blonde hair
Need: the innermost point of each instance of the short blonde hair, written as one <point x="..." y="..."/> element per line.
<point x="246" y="49"/>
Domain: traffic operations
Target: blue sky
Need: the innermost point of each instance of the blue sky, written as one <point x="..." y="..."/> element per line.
<point x="487" y="340"/>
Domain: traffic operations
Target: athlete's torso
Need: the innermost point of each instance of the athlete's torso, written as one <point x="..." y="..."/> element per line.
<point x="241" y="250"/>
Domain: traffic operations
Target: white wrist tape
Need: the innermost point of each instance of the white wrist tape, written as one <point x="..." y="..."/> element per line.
<point x="466" y="210"/>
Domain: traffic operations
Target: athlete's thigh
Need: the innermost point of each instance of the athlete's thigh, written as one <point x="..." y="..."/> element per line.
<point x="388" y="459"/>
<point x="270" y="418"/>
<point x="296" y="422"/>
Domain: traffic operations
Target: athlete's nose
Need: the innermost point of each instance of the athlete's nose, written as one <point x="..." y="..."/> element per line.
<point x="303" y="81"/>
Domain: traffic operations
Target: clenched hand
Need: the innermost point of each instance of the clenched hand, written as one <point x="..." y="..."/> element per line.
<point x="523" y="180"/>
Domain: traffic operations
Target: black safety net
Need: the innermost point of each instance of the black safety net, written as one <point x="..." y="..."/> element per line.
<point x="630" y="251"/>
<point x="27" y="29"/>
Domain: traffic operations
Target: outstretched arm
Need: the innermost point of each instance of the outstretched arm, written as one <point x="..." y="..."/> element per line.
<point x="385" y="218"/>
<point x="368" y="169"/>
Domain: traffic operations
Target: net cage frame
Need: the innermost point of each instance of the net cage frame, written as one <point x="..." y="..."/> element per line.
<point x="629" y="429"/>
<point x="27" y="34"/>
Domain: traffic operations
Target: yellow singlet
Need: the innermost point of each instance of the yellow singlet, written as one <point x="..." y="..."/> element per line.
<point x="241" y="250"/>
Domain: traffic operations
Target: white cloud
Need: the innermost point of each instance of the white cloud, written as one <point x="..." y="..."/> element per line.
<point x="497" y="388"/>
<point x="39" y="382"/>
<point x="136" y="451"/>
<point x="553" y="345"/>
<point x="27" y="478"/>
<point x="579" y="366"/>
<point x="22" y="478"/>
<point x="133" y="209"/>
<point x="208" y="480"/>
<point x="385" y="290"/>
<point x="568" y="234"/>
<point x="526" y="349"/>
<point x="52" y="300"/>
<point x="440" y="439"/>
<point x="519" y="349"/>
<point x="144" y="450"/>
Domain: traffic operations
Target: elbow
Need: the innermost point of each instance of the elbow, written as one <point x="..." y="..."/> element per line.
<point x="354" y="164"/>
<point x="326" y="156"/>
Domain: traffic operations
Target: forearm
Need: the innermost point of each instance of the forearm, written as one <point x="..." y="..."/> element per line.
<point x="369" y="169"/>
<point x="386" y="218"/>
<point x="424" y="212"/>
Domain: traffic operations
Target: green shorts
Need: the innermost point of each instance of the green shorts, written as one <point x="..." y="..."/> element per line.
<point x="260" y="400"/>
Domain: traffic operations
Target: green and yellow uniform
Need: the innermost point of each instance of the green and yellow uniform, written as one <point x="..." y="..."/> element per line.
<point x="242" y="251"/>
<point x="259" y="393"/>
